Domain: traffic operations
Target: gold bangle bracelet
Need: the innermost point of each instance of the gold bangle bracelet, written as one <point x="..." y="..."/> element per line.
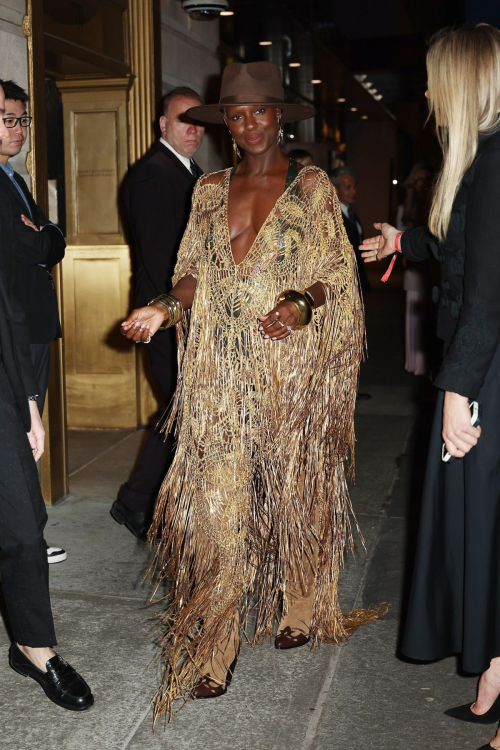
<point x="173" y="307"/>
<point x="303" y="306"/>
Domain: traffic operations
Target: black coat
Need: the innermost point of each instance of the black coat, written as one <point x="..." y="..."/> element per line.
<point x="14" y="340"/>
<point x="355" y="237"/>
<point x="158" y="199"/>
<point x="469" y="302"/>
<point x="37" y="292"/>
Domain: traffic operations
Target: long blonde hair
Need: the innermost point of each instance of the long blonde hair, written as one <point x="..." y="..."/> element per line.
<point x="463" y="78"/>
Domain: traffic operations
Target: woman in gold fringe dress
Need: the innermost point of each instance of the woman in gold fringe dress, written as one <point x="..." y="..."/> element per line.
<point x="254" y="511"/>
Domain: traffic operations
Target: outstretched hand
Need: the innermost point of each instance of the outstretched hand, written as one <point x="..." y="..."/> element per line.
<point x="143" y="322"/>
<point x="376" y="248"/>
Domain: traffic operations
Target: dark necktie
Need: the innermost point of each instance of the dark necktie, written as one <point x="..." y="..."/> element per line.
<point x="352" y="217"/>
<point x="195" y="169"/>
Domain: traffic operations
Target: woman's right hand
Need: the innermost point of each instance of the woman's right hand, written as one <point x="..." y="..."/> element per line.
<point x="143" y="322"/>
<point x="380" y="246"/>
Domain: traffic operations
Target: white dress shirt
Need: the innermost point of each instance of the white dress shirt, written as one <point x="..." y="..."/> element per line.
<point x="344" y="208"/>
<point x="183" y="159"/>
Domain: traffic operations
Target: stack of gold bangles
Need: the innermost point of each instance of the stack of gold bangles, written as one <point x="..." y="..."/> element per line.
<point x="173" y="307"/>
<point x="302" y="304"/>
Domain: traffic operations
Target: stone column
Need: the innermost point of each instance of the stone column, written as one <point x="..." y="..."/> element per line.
<point x="141" y="58"/>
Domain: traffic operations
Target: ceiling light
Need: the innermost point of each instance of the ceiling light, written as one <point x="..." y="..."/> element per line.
<point x="341" y="100"/>
<point x="361" y="77"/>
<point x="354" y="109"/>
<point x="265" y="44"/>
<point x="227" y="13"/>
<point x="378" y="97"/>
<point x="367" y="84"/>
<point x="316" y="80"/>
<point x="364" y="117"/>
<point x="294" y="65"/>
<point x="291" y="135"/>
<point x="372" y="91"/>
<point x="394" y="182"/>
<point x="205" y="10"/>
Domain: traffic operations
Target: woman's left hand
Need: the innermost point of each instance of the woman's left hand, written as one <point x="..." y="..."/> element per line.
<point x="280" y="322"/>
<point x="458" y="433"/>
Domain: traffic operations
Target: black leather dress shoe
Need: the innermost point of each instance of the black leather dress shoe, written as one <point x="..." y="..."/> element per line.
<point x="61" y="683"/>
<point x="137" y="523"/>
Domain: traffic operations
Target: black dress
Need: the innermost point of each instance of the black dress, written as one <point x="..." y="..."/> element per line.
<point x="455" y="598"/>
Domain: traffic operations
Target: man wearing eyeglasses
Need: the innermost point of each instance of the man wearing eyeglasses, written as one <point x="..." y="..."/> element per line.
<point x="23" y="560"/>
<point x="39" y="246"/>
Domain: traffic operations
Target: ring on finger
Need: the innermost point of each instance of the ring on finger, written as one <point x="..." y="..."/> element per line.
<point x="280" y="322"/>
<point x="290" y="330"/>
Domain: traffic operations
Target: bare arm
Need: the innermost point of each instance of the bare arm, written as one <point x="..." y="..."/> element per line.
<point x="318" y="292"/>
<point x="143" y="322"/>
<point x="184" y="291"/>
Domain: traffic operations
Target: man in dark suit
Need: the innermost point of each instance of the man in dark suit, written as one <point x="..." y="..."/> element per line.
<point x="39" y="246"/>
<point x="23" y="556"/>
<point x="158" y="199"/>
<point x="344" y="183"/>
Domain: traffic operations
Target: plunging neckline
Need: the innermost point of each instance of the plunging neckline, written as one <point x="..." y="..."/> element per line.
<point x="290" y="179"/>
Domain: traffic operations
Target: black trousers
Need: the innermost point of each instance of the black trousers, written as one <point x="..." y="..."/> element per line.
<point x="140" y="492"/>
<point x="40" y="359"/>
<point x="23" y="552"/>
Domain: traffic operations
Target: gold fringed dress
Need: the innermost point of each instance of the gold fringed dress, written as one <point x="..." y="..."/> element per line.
<point x="263" y="430"/>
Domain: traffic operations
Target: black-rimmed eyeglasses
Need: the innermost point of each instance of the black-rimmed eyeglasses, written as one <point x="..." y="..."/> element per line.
<point x="11" y="122"/>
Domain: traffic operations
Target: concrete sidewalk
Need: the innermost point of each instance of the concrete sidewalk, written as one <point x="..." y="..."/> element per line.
<point x="359" y="695"/>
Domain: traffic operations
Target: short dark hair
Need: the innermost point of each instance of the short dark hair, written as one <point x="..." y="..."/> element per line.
<point x="299" y="153"/>
<point x="178" y="91"/>
<point x="337" y="173"/>
<point x="14" y="92"/>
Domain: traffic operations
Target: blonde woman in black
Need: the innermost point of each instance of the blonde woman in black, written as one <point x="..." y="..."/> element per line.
<point x="455" y="598"/>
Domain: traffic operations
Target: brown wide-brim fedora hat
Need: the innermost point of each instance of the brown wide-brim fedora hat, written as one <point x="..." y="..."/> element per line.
<point x="251" y="83"/>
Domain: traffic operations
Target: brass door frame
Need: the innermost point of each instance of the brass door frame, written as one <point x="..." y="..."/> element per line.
<point x="54" y="469"/>
<point x="141" y="56"/>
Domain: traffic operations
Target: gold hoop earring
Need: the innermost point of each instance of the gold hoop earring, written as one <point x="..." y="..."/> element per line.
<point x="236" y="149"/>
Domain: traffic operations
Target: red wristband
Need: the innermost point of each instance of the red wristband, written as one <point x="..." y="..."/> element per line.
<point x="391" y="264"/>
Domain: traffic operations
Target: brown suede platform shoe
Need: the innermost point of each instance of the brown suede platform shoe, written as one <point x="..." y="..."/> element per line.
<point x="208" y="688"/>
<point x="286" y="639"/>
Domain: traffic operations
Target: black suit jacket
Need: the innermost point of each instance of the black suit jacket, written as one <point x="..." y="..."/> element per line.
<point x="37" y="290"/>
<point x="158" y="199"/>
<point x="14" y="340"/>
<point x="469" y="299"/>
<point x="355" y="237"/>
